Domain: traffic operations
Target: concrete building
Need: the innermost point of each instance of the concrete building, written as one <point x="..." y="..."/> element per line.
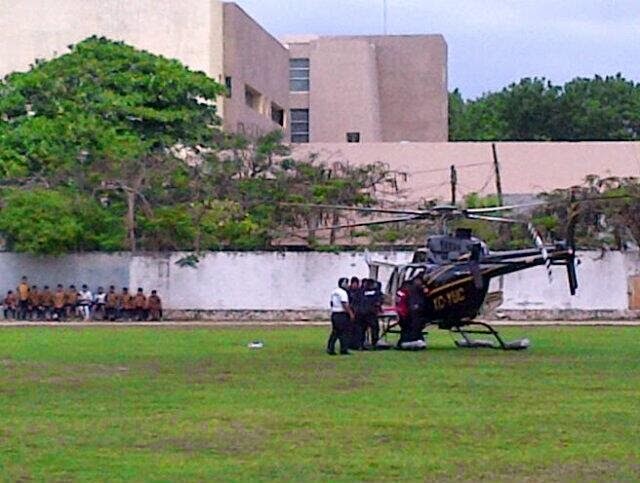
<point x="369" y="89"/>
<point x="390" y="88"/>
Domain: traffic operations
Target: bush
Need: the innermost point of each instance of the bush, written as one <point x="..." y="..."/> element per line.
<point x="53" y="222"/>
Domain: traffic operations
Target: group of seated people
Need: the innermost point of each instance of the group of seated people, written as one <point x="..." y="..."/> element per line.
<point x="28" y="302"/>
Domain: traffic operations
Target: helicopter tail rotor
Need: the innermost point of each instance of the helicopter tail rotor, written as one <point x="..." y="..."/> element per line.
<point x="537" y="240"/>
<point x="571" y="244"/>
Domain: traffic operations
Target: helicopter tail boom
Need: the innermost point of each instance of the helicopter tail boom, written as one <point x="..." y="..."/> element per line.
<point x="509" y="262"/>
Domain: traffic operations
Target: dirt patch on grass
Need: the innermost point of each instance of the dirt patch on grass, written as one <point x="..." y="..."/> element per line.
<point x="233" y="439"/>
<point x="67" y="375"/>
<point x="351" y="383"/>
<point x="206" y="371"/>
<point x="603" y="470"/>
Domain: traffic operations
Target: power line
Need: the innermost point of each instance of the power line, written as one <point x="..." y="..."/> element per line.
<point x="439" y="170"/>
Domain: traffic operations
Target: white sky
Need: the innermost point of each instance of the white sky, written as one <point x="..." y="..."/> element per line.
<point x="491" y="42"/>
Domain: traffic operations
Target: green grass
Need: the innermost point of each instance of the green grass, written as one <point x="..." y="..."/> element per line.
<point x="197" y="405"/>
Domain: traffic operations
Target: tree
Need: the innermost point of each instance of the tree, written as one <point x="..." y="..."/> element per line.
<point x="606" y="211"/>
<point x="137" y="136"/>
<point x="45" y="221"/>
<point x="599" y="108"/>
<point x="534" y="109"/>
<point x="338" y="183"/>
<point x="105" y="118"/>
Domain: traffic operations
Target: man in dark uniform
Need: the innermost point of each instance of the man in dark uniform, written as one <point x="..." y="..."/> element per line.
<point x="368" y="311"/>
<point x="355" y="292"/>
<point x="341" y="316"/>
<point x="418" y="312"/>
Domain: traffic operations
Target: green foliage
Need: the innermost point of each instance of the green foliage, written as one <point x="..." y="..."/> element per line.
<point x="52" y="222"/>
<point x="103" y="101"/>
<point x="474" y="200"/>
<point x="604" y="211"/>
<point x="167" y="228"/>
<point x="536" y="110"/>
<point x="112" y="125"/>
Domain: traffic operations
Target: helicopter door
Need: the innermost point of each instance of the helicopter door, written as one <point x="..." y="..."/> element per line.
<point x="392" y="283"/>
<point x="373" y="271"/>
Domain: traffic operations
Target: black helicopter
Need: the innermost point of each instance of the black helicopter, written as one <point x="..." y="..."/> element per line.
<point x="456" y="269"/>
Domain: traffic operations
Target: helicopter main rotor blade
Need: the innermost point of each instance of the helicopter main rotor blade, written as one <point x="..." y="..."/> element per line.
<point x="363" y="209"/>
<point x="493" y="209"/>
<point x="494" y="218"/>
<point x="548" y="203"/>
<point x="370" y="223"/>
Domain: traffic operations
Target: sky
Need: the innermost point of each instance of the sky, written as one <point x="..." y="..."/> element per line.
<point x="492" y="43"/>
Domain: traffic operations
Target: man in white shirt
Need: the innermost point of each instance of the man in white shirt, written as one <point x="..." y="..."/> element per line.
<point x="85" y="300"/>
<point x="341" y="316"/>
<point x="99" y="303"/>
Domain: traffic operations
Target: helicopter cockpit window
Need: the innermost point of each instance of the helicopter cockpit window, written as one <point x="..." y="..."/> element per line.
<point x="419" y="257"/>
<point x="414" y="272"/>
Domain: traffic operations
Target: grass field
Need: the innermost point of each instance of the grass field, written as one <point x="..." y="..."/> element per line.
<point x="197" y="405"/>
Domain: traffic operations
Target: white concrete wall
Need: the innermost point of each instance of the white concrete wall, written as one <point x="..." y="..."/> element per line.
<point x="302" y="281"/>
<point x="94" y="269"/>
<point x="602" y="279"/>
<point x="251" y="281"/>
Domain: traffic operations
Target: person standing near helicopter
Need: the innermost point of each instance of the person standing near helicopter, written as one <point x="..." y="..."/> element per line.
<point x="367" y="313"/>
<point x="341" y="317"/>
<point x="355" y="295"/>
<point x="418" y="313"/>
<point x="403" y="311"/>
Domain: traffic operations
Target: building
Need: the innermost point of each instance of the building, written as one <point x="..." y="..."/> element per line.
<point x="526" y="168"/>
<point x="369" y="89"/>
<point x="355" y="98"/>
<point x="390" y="88"/>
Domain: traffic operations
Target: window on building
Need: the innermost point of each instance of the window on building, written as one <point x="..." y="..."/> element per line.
<point x="277" y="114"/>
<point x="353" y="137"/>
<point x="228" y="84"/>
<point x="252" y="97"/>
<point x="299" y="125"/>
<point x="299" y="75"/>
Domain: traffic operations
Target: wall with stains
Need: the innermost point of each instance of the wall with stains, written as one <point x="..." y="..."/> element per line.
<point x="281" y="282"/>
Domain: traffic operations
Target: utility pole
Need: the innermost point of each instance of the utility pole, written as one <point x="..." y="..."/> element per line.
<point x="503" y="230"/>
<point x="454" y="183"/>
<point x="496" y="167"/>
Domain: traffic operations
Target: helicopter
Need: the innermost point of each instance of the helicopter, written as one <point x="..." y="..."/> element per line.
<point x="456" y="270"/>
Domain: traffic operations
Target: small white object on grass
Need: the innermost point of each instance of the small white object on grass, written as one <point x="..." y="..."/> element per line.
<point x="256" y="344"/>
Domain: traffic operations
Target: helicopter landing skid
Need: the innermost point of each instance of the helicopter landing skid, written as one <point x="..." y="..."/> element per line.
<point x="470" y="343"/>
